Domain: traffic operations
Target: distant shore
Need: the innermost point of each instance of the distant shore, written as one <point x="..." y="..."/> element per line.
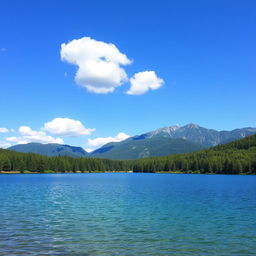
<point x="52" y="172"/>
<point x="78" y="172"/>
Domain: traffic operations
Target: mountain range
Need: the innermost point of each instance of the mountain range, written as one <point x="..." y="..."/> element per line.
<point x="164" y="141"/>
<point x="51" y="149"/>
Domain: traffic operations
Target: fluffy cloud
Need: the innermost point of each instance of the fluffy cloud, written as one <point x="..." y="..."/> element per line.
<point x="141" y="82"/>
<point x="98" y="142"/>
<point x="88" y="149"/>
<point x="99" y="64"/>
<point x="67" y="127"/>
<point x="28" y="135"/>
<point x="4" y="144"/>
<point x="3" y="130"/>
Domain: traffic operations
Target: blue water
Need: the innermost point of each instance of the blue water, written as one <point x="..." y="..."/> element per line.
<point x="127" y="214"/>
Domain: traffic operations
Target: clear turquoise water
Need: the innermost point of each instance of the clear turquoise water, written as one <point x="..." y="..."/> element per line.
<point x="127" y="214"/>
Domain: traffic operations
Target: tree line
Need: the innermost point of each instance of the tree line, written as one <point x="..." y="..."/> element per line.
<point x="15" y="161"/>
<point x="236" y="157"/>
<point x="231" y="158"/>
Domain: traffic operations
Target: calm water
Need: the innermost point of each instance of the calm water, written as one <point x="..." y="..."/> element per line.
<point x="127" y="214"/>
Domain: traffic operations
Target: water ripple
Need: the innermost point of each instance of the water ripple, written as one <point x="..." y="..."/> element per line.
<point x="127" y="214"/>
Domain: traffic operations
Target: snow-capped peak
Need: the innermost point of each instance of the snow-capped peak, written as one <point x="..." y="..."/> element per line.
<point x="168" y="130"/>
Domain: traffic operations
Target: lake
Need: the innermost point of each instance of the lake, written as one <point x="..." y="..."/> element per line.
<point x="127" y="214"/>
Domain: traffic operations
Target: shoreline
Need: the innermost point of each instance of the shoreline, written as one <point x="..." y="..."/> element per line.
<point x="86" y="172"/>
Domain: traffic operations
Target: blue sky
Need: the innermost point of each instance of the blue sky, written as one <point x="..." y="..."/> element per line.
<point x="204" y="51"/>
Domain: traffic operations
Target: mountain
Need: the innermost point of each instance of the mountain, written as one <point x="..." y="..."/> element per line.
<point x="169" y="140"/>
<point x="203" y="136"/>
<point x="51" y="149"/>
<point x="141" y="147"/>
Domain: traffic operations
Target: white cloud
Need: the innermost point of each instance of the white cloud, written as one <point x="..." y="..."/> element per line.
<point x="4" y="144"/>
<point x="67" y="127"/>
<point x="27" y="135"/>
<point x="98" y="142"/>
<point x="88" y="149"/>
<point x="99" y="64"/>
<point x="12" y="139"/>
<point x="141" y="82"/>
<point x="3" y="130"/>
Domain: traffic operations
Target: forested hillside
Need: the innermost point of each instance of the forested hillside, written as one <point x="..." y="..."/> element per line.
<point x="232" y="158"/>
